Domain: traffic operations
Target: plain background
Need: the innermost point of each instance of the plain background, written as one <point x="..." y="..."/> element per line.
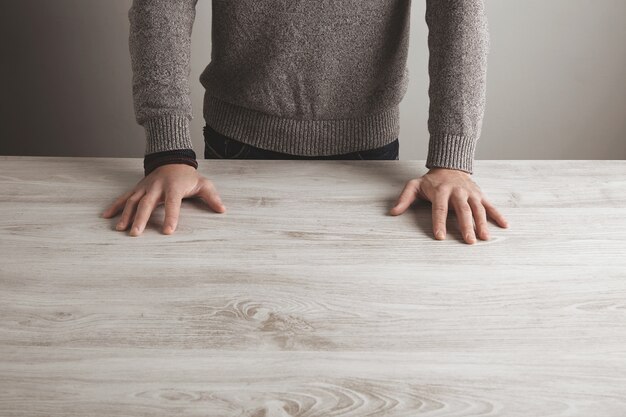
<point x="556" y="81"/>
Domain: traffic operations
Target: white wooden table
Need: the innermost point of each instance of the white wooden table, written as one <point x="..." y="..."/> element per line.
<point x="307" y="299"/>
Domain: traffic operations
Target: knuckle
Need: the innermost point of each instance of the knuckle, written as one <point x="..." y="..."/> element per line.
<point x="171" y="215"/>
<point x="152" y="197"/>
<point x="474" y="196"/>
<point x="172" y="191"/>
<point x="172" y="199"/>
<point x="459" y="191"/>
<point x="457" y="188"/>
<point x="134" y="198"/>
<point x="480" y="216"/>
<point x="171" y="218"/>
<point x="143" y="206"/>
<point x="142" y="202"/>
<point x="476" y="205"/>
<point x="127" y="210"/>
<point x="441" y="188"/>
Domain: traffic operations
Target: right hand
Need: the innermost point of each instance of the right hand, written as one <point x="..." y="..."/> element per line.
<point x="170" y="184"/>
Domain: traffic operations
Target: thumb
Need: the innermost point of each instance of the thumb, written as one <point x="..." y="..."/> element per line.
<point x="212" y="198"/>
<point x="407" y="197"/>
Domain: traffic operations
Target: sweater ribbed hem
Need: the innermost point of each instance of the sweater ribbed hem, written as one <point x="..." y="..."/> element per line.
<point x="302" y="136"/>
<point x="451" y="151"/>
<point x="166" y="133"/>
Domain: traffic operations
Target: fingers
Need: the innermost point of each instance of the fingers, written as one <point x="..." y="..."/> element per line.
<point x="466" y="197"/>
<point x="172" y="211"/>
<point x="464" y="217"/>
<point x="406" y="198"/>
<point x="440" y="214"/>
<point x="495" y="214"/>
<point x="480" y="218"/>
<point x="129" y="209"/>
<point x="144" y="210"/>
<point x="209" y="194"/>
<point x="114" y="208"/>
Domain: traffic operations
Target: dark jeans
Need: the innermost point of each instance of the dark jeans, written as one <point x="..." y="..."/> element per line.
<point x="218" y="146"/>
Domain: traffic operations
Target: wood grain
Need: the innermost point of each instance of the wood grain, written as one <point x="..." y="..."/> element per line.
<point x="307" y="299"/>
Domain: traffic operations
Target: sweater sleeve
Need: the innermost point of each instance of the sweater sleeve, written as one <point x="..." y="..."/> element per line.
<point x="160" y="49"/>
<point x="458" y="41"/>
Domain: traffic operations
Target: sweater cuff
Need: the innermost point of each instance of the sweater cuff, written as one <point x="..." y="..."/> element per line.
<point x="451" y="151"/>
<point x="179" y="156"/>
<point x="167" y="132"/>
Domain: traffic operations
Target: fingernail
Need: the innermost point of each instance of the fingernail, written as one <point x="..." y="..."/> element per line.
<point x="119" y="226"/>
<point x="469" y="237"/>
<point x="439" y="234"/>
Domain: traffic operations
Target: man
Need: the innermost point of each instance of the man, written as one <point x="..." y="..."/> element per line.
<point x="308" y="79"/>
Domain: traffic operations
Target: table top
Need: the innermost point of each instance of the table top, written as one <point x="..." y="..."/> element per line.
<point x="307" y="299"/>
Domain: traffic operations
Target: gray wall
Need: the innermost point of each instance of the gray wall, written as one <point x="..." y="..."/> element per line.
<point x="556" y="87"/>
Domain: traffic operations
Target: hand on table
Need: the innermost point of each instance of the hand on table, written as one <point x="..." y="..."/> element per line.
<point x="167" y="184"/>
<point x="443" y="185"/>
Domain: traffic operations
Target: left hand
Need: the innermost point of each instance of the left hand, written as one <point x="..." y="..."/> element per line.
<point x="440" y="185"/>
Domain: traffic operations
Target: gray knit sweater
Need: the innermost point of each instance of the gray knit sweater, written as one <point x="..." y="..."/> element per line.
<point x="310" y="77"/>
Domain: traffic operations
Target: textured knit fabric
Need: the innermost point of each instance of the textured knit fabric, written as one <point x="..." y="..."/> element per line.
<point x="180" y="156"/>
<point x="310" y="77"/>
